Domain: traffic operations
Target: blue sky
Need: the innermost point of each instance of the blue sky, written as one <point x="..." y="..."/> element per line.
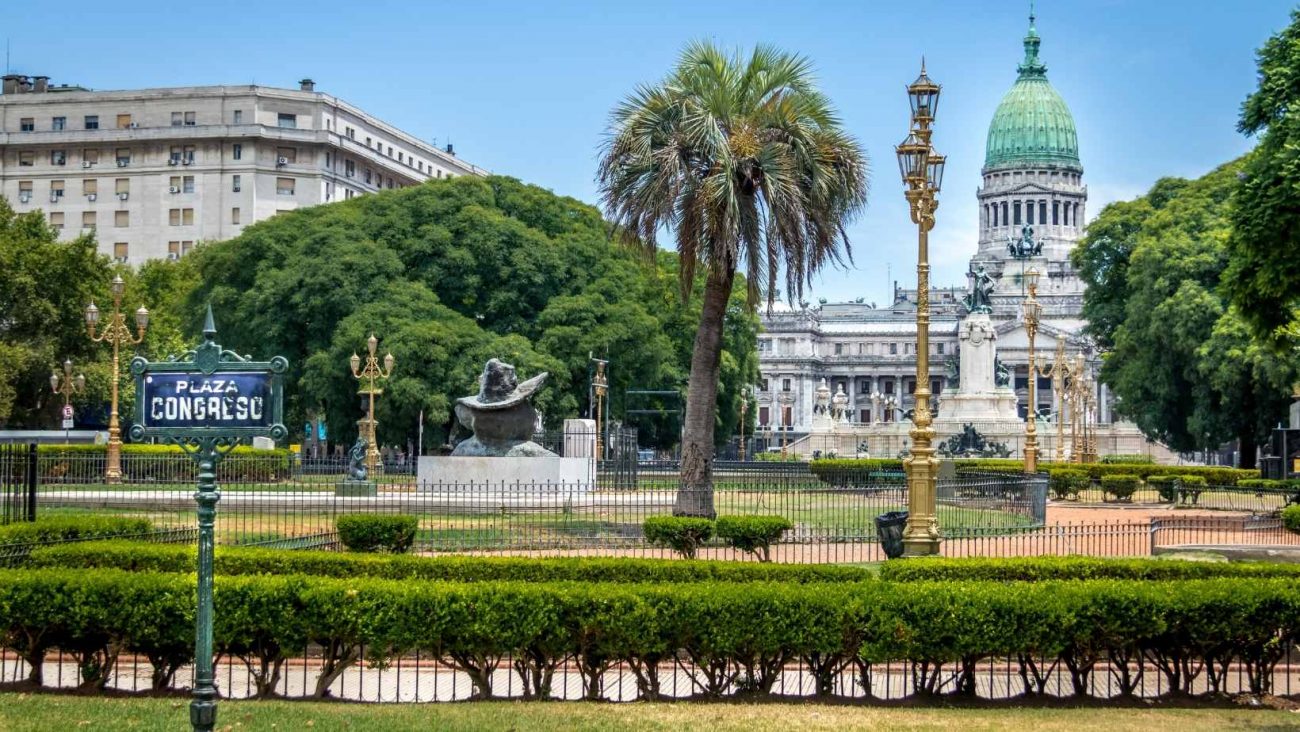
<point x="524" y="88"/>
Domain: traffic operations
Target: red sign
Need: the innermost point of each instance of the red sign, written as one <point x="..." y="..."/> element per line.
<point x="67" y="411"/>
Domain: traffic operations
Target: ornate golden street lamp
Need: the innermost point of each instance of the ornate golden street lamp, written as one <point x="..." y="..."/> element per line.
<point x="1032" y="310"/>
<point x="66" y="385"/>
<point x="922" y="171"/>
<point x="117" y="333"/>
<point x="1077" y="398"/>
<point x="1059" y="372"/>
<point x="744" y="407"/>
<point x="600" y="385"/>
<point x="371" y="372"/>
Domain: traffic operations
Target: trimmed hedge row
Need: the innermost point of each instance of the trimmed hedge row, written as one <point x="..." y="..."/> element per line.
<point x="686" y="534"/>
<point x="229" y="560"/>
<point x="377" y="532"/>
<point x="72" y="528"/>
<point x="738" y="639"/>
<point x="1038" y="569"/>
<point x="166" y="463"/>
<point x="840" y="469"/>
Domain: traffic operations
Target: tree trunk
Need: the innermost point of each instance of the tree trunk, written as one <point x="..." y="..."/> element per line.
<point x="695" y="488"/>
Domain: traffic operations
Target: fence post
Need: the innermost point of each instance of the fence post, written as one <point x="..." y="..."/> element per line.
<point x="30" y="480"/>
<point x="1151" y="533"/>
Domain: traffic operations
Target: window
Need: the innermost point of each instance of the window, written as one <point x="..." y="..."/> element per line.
<point x="234" y="216"/>
<point x="174" y="184"/>
<point x="329" y="160"/>
<point x="288" y="121"/>
<point x="284" y="186"/>
<point x="189" y="119"/>
<point x="186" y="246"/>
<point x="121" y="219"/>
<point x="289" y="154"/>
<point x="399" y="157"/>
<point x="24" y="190"/>
<point x="122" y="186"/>
<point x="864" y="386"/>
<point x="390" y="151"/>
<point x="839" y="349"/>
<point x="785" y="385"/>
<point x="764" y="416"/>
<point x="173" y="250"/>
<point x="59" y="123"/>
<point x="366" y="174"/>
<point x="367" y="142"/>
<point x="123" y="157"/>
<point x="123" y="121"/>
<point x="58" y="157"/>
<point x="940" y="349"/>
<point x="89" y="187"/>
<point x="174" y="156"/>
<point x="91" y="121"/>
<point x="180" y="217"/>
<point x="1056" y="213"/>
<point x="87" y="219"/>
<point x="187" y="155"/>
<point x="27" y="124"/>
<point x="239" y="117"/>
<point x="349" y="168"/>
<point x="1015" y="208"/>
<point x="90" y="155"/>
<point x="420" y="166"/>
<point x="234" y="184"/>
<point x="351" y="134"/>
<point x="178" y="119"/>
<point x="893" y="349"/>
<point x="1029" y="212"/>
<point x="236" y="151"/>
<point x="187" y="184"/>
<point x="56" y="190"/>
<point x="120" y="251"/>
<point x="56" y="219"/>
<point x="762" y="385"/>
<point x="1042" y="212"/>
<point x="26" y="159"/>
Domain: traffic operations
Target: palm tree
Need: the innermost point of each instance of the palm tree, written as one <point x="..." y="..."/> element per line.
<point x="744" y="161"/>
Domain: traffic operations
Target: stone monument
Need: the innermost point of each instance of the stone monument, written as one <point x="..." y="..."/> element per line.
<point x="500" y="453"/>
<point x="980" y="399"/>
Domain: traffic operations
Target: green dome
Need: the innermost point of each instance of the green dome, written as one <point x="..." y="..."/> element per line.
<point x="1032" y="126"/>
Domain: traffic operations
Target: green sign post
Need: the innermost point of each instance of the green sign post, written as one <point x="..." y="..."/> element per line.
<point x="207" y="401"/>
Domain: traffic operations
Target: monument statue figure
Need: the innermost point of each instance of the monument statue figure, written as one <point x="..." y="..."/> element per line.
<point x="501" y="416"/>
<point x="357" y="460"/>
<point x="1001" y="374"/>
<point x="1024" y="247"/>
<point x="980" y="297"/>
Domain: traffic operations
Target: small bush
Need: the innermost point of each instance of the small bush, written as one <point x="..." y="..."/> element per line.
<point x="1066" y="484"/>
<point x="684" y="534"/>
<point x="753" y="534"/>
<point x="1121" y="486"/>
<point x="1190" y="487"/>
<point x="1165" y="485"/>
<point x="775" y="457"/>
<point x="72" y="528"/>
<point x="369" y="532"/>
<point x="1291" y="518"/>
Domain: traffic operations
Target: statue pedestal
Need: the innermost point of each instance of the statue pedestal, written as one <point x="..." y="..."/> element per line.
<point x="508" y="474"/>
<point x="978" y="397"/>
<point x="356" y="488"/>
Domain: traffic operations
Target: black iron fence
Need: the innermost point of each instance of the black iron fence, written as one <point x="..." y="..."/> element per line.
<point x="18" y="480"/>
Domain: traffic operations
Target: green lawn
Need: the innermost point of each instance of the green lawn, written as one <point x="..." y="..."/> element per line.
<point x="30" y="713"/>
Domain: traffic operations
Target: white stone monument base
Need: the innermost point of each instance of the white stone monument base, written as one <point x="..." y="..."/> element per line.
<point x="999" y="405"/>
<point x="439" y="473"/>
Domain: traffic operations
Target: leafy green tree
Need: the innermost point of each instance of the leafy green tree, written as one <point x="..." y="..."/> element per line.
<point x="43" y="292"/>
<point x="745" y="161"/>
<point x="1182" y="364"/>
<point x="446" y="275"/>
<point x="1263" y="276"/>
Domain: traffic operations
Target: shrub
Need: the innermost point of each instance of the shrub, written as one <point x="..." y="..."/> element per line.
<point x="72" y="528"/>
<point x="234" y="560"/>
<point x="775" y="457"/>
<point x="1165" y="485"/>
<point x="1190" y="486"/>
<point x="753" y="534"/>
<point x="372" y="532"/>
<point x="1121" y="486"/>
<point x="684" y="534"/>
<point x="1039" y="569"/>
<point x="1066" y="484"/>
<point x="1291" y="518"/>
<point x="161" y="463"/>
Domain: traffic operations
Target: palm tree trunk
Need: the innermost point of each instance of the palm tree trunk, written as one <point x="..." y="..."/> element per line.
<point x="695" y="487"/>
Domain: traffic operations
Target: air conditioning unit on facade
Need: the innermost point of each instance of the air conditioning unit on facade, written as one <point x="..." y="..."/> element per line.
<point x="54" y="198"/>
<point x="24" y="197"/>
<point x="120" y="260"/>
<point x="187" y="161"/>
<point x="122" y="163"/>
<point x="133" y="125"/>
<point x="281" y="161"/>
<point x="173" y="256"/>
<point x="92" y="196"/>
<point x="173" y="189"/>
<point x="123" y="196"/>
<point x="173" y="161"/>
<point x="86" y="164"/>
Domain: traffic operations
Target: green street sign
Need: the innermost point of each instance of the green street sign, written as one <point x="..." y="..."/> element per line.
<point x="207" y="401"/>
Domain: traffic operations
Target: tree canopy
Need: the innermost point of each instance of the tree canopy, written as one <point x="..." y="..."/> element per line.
<point x="1183" y="362"/>
<point x="1263" y="278"/>
<point x="448" y="274"/>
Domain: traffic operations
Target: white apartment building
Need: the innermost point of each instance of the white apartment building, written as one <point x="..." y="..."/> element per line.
<point x="154" y="171"/>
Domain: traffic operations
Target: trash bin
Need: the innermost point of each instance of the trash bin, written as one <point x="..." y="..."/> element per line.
<point x="889" y="529"/>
